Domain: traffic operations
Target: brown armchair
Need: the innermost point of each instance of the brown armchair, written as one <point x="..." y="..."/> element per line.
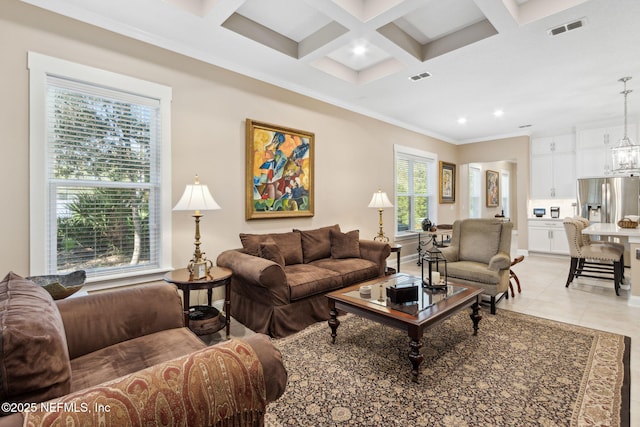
<point x="127" y="350"/>
<point x="479" y="255"/>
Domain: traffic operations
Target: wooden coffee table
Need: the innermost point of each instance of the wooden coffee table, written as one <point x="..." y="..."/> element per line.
<point x="433" y="306"/>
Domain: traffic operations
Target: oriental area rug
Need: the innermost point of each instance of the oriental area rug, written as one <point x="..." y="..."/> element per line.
<point x="519" y="370"/>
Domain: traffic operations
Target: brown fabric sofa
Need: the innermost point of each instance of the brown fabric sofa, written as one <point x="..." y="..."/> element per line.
<point x="280" y="279"/>
<point x="128" y="351"/>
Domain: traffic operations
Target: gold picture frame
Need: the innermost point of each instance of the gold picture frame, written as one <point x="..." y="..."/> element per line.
<point x="280" y="171"/>
<point x="447" y="183"/>
<point x="493" y="189"/>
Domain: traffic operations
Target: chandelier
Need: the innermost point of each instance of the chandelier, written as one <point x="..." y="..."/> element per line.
<point x="626" y="155"/>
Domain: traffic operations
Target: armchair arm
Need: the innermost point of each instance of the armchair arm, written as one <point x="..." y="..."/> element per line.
<point x="180" y="389"/>
<point x="500" y="261"/>
<point x="450" y="253"/>
<point x="255" y="276"/>
<point x="101" y="319"/>
<point x="377" y="252"/>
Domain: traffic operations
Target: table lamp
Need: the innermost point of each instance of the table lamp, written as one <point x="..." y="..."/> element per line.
<point x="197" y="198"/>
<point x="380" y="201"/>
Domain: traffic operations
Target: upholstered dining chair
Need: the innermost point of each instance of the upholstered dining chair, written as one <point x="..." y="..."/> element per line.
<point x="479" y="255"/>
<point x="596" y="261"/>
<point x="587" y="240"/>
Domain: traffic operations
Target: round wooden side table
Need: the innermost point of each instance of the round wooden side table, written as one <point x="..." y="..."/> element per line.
<point x="218" y="276"/>
<point x="397" y="248"/>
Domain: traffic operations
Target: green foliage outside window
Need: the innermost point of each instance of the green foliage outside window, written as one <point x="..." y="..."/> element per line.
<point x="412" y="195"/>
<point x="102" y="150"/>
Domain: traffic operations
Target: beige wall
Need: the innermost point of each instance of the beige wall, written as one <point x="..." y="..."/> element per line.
<point x="515" y="150"/>
<point x="354" y="154"/>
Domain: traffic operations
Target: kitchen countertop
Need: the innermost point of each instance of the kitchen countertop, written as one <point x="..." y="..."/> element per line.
<point x="608" y="229"/>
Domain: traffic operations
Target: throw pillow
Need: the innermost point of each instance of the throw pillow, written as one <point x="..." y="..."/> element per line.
<point x="271" y="252"/>
<point x="345" y="245"/>
<point x="316" y="244"/>
<point x="289" y="244"/>
<point x="251" y="242"/>
<point x="34" y="359"/>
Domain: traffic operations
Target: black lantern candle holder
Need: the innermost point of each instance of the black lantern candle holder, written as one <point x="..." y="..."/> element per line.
<point x="436" y="276"/>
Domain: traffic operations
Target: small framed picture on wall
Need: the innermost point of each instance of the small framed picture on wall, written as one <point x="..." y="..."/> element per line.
<point x="447" y="182"/>
<point x="493" y="189"/>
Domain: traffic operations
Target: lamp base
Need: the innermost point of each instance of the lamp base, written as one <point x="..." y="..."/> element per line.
<point x="199" y="268"/>
<point x="381" y="238"/>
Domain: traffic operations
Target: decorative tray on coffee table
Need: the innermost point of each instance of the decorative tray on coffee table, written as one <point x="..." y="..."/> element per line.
<point x="427" y="296"/>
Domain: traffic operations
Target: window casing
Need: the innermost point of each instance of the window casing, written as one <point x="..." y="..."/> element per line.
<point x="415" y="185"/>
<point x="475" y="192"/>
<point x="100" y="172"/>
<point x="505" y="192"/>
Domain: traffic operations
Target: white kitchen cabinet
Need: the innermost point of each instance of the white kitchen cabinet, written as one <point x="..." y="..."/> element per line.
<point x="553" y="167"/>
<point x="548" y="236"/>
<point x="593" y="149"/>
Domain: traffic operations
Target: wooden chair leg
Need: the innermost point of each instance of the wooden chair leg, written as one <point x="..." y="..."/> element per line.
<point x="493" y="305"/>
<point x="572" y="271"/>
<point x="617" y="268"/>
<point x="517" y="282"/>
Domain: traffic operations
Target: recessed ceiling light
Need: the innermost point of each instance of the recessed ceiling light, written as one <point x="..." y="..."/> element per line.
<point x="462" y="120"/>
<point x="498" y="113"/>
<point x="359" y="49"/>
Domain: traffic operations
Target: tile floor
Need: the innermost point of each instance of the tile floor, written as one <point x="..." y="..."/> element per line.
<point x="587" y="302"/>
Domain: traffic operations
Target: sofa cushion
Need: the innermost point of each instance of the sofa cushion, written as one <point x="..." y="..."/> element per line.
<point x="131" y="356"/>
<point x="316" y="244"/>
<point x="272" y="252"/>
<point x="345" y="245"/>
<point x="289" y="243"/>
<point x="305" y="280"/>
<point x="479" y="241"/>
<point x="352" y="270"/>
<point x="34" y="360"/>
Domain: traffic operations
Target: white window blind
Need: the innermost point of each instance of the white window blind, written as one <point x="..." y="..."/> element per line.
<point x="104" y="178"/>
<point x="415" y="188"/>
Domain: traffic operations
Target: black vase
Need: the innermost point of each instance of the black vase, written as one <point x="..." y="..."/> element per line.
<point x="426" y="224"/>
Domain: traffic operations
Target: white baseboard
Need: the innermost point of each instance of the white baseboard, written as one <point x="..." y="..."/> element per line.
<point x="634" y="301"/>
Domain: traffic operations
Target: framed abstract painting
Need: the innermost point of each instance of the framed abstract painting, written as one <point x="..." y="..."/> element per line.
<point x="279" y="176"/>
<point x="493" y="189"/>
<point x="447" y="182"/>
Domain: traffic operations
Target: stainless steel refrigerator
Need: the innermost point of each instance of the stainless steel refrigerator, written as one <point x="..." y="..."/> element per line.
<point x="608" y="199"/>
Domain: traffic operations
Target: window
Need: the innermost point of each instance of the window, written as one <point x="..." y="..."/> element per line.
<point x="505" y="192"/>
<point x="100" y="176"/>
<point x="475" y="183"/>
<point x="415" y="188"/>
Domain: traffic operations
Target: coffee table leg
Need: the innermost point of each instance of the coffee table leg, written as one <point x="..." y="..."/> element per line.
<point x="333" y="321"/>
<point x="475" y="315"/>
<point x="415" y="358"/>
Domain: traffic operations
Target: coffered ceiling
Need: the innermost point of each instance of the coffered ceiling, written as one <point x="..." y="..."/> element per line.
<point x="427" y="65"/>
